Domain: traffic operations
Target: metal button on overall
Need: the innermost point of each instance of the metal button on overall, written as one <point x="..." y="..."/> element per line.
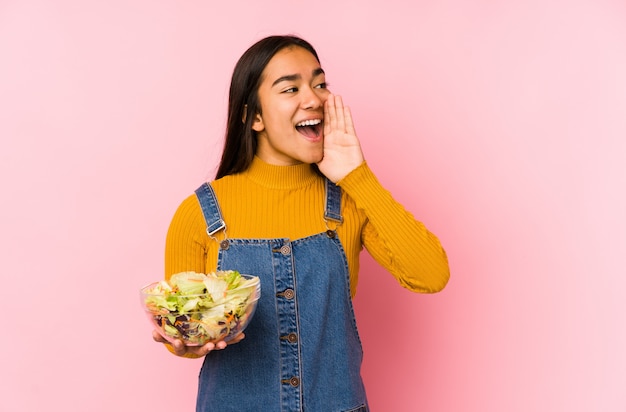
<point x="289" y="294"/>
<point x="285" y="250"/>
<point x="224" y="244"/>
<point x="295" y="381"/>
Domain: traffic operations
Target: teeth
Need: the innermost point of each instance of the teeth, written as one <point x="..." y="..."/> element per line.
<point x="309" y="123"/>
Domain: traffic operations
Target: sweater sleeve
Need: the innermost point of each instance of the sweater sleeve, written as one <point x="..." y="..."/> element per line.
<point x="186" y="243"/>
<point x="185" y="249"/>
<point x="394" y="238"/>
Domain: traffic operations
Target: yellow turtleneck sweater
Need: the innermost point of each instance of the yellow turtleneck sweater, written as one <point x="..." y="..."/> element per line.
<point x="269" y="201"/>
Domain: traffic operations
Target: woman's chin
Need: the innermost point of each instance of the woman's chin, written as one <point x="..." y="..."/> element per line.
<point x="316" y="157"/>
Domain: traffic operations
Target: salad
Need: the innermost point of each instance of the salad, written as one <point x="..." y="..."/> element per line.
<point x="199" y="308"/>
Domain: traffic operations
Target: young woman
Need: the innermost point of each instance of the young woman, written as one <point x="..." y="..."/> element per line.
<point x="294" y="203"/>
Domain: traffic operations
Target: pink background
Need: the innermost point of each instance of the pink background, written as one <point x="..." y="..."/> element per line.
<point x="501" y="126"/>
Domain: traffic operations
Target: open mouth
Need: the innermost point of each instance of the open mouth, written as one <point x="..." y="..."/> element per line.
<point x="311" y="129"/>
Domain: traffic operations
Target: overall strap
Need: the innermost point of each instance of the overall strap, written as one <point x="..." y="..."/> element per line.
<point x="333" y="202"/>
<point x="210" y="209"/>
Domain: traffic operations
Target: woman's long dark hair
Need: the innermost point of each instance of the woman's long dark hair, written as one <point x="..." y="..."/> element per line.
<point x="241" y="141"/>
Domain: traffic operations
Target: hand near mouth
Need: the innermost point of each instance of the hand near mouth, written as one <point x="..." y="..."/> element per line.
<point x="342" y="150"/>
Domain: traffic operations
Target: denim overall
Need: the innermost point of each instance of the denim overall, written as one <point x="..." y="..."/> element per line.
<point x="302" y="351"/>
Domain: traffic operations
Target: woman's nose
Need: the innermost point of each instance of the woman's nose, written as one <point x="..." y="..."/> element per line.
<point x="311" y="99"/>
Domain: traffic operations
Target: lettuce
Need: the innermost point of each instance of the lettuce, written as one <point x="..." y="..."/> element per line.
<point x="199" y="308"/>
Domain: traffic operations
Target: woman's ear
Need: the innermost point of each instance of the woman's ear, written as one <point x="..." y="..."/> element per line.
<point x="258" y="125"/>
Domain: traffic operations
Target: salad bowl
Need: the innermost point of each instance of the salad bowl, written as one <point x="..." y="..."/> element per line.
<point x="199" y="308"/>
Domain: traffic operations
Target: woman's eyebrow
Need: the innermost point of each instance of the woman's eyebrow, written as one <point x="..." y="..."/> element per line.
<point x="318" y="71"/>
<point x="286" y="78"/>
<point x="292" y="77"/>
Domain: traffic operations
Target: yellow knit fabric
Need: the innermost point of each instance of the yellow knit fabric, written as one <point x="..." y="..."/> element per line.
<point x="268" y="201"/>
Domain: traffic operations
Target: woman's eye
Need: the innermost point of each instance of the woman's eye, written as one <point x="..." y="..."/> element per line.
<point x="322" y="86"/>
<point x="290" y="90"/>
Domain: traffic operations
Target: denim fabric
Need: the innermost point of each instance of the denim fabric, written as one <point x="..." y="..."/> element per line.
<point x="302" y="351"/>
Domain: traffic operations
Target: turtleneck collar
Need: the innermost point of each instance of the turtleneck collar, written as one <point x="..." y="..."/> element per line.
<point x="280" y="177"/>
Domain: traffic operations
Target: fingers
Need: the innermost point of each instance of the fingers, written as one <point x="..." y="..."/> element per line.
<point x="203" y="350"/>
<point x="337" y="116"/>
<point x="157" y="337"/>
<point x="334" y="112"/>
<point x="180" y="349"/>
<point x="339" y="121"/>
<point x="349" y="124"/>
<point x="237" y="338"/>
<point x="220" y="345"/>
<point x="329" y="115"/>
